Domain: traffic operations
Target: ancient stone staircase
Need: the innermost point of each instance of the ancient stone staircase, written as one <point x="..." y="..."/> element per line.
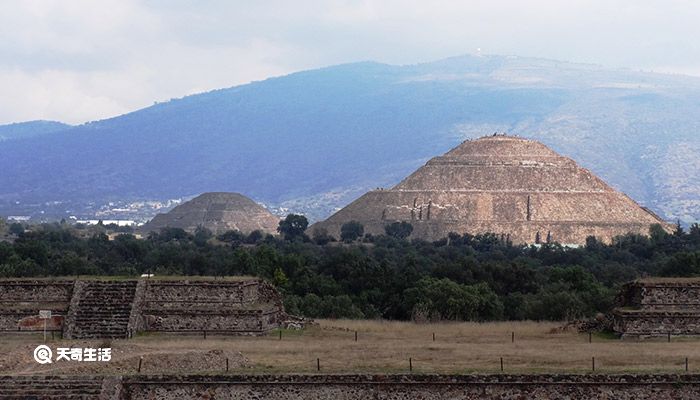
<point x="49" y="387"/>
<point x="103" y="310"/>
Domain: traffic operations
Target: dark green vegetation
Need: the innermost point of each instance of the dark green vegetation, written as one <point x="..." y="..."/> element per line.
<point x="315" y="140"/>
<point x="457" y="278"/>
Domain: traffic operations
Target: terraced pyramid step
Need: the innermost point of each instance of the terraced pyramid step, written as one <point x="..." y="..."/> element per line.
<point x="103" y="309"/>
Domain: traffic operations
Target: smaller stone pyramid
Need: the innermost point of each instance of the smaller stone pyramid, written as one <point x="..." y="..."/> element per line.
<point x="219" y="212"/>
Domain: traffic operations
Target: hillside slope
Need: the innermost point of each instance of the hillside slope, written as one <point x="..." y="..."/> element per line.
<point x="23" y="130"/>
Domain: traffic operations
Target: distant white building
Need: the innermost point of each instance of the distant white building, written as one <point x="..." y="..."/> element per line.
<point x="18" y="218"/>
<point x="117" y="222"/>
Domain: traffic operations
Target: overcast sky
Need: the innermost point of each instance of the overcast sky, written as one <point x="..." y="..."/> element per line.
<point x="76" y="61"/>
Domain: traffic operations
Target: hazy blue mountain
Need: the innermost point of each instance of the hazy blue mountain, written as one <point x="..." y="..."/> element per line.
<point x="314" y="140"/>
<point x="21" y="130"/>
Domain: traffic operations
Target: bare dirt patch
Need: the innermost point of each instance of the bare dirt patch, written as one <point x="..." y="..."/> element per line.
<point x="178" y="356"/>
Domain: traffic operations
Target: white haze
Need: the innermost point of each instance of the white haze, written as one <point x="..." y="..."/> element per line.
<point x="76" y="61"/>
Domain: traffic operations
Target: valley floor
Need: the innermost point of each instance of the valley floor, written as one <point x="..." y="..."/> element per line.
<point x="381" y="347"/>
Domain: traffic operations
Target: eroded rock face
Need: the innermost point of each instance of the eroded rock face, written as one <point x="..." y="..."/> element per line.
<point x="506" y="185"/>
<point x="22" y="299"/>
<point x="219" y="212"/>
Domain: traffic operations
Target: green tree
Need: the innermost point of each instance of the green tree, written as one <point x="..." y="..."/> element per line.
<point x="350" y="231"/>
<point x="231" y="236"/>
<point x="445" y="299"/>
<point x="695" y="229"/>
<point x="593" y="244"/>
<point x="279" y="279"/>
<point x="678" y="231"/>
<point x="340" y="307"/>
<point x="657" y="233"/>
<point x="399" y="230"/>
<point x="16" y="228"/>
<point x="169" y="234"/>
<point x="293" y="226"/>
<point x="321" y="237"/>
<point x="202" y="235"/>
<point x="682" y="264"/>
<point x="254" y="237"/>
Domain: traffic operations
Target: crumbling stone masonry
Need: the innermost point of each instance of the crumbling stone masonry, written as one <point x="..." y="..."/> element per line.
<point x="356" y="387"/>
<point x="120" y="308"/>
<point x="21" y="300"/>
<point x="247" y="307"/>
<point x="658" y="307"/>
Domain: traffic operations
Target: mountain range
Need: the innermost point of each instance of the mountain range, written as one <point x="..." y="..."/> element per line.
<point x="315" y="140"/>
<point x="22" y="130"/>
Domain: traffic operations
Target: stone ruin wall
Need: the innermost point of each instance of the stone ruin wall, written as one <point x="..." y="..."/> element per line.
<point x="358" y="387"/>
<point x="658" y="308"/>
<point x="21" y="300"/>
<point x="663" y="295"/>
<point x="402" y="387"/>
<point x="649" y="324"/>
<point x="497" y="176"/>
<point x="518" y="215"/>
<point x="471" y="207"/>
<point x="249" y="306"/>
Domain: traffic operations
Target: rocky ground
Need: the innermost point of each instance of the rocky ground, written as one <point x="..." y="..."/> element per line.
<point x="163" y="357"/>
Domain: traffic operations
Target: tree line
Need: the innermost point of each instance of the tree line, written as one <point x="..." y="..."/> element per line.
<point x="460" y="277"/>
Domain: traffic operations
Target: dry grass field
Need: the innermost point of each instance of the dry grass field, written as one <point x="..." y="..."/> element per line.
<point x="381" y="346"/>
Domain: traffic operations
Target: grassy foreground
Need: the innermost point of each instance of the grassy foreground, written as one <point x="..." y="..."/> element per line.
<point x="381" y="347"/>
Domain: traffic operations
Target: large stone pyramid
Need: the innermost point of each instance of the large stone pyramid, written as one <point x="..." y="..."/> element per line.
<point x="500" y="184"/>
<point x="218" y="212"/>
